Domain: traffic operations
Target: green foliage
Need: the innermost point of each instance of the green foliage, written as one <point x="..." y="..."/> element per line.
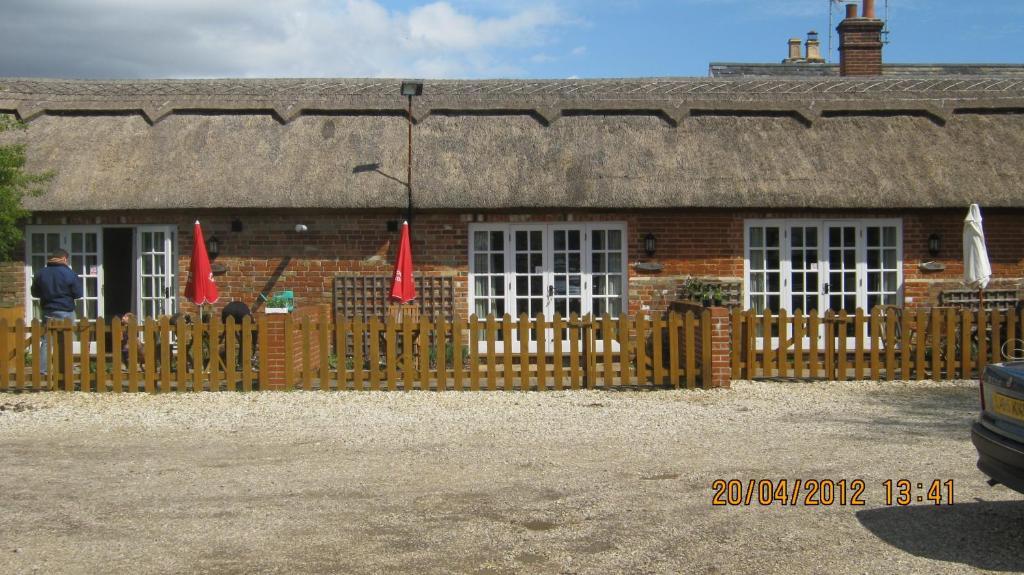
<point x="15" y="184"/>
<point x="702" y="291"/>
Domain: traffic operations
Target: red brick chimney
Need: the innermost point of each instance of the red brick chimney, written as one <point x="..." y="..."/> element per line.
<point x="860" y="42"/>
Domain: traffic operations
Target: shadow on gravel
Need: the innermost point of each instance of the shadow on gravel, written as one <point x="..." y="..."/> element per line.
<point x="985" y="535"/>
<point x="922" y="412"/>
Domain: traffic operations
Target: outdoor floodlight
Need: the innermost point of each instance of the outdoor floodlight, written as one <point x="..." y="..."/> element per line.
<point x="412" y="87"/>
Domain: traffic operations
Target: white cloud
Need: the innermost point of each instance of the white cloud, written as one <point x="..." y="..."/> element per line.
<point x="275" y="38"/>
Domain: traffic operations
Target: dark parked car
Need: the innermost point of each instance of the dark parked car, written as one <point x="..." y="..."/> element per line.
<point x="999" y="432"/>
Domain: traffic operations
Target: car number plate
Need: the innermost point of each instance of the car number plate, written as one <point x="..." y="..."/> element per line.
<point x="1008" y="406"/>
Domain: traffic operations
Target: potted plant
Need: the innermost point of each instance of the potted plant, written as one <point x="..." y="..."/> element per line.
<point x="713" y="294"/>
<point x="277" y="304"/>
<point x="693" y="290"/>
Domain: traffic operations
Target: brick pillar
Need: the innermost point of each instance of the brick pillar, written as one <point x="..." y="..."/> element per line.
<point x="282" y="351"/>
<point x="719" y="373"/>
<point x="860" y="42"/>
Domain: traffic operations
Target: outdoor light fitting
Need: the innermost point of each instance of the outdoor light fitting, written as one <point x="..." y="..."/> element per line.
<point x="650" y="244"/>
<point x="213" y="247"/>
<point x="934" y="244"/>
<point x="412" y="87"/>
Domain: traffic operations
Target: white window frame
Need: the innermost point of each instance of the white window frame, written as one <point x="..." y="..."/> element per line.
<point x="509" y="297"/>
<point x="785" y="263"/>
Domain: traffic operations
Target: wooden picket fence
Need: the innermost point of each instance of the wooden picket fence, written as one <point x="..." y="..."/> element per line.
<point x="360" y="354"/>
<point x="886" y="344"/>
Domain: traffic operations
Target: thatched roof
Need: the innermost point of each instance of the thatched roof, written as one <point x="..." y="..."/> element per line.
<point x="646" y="143"/>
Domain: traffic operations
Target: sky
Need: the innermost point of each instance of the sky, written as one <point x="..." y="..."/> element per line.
<point x="467" y="38"/>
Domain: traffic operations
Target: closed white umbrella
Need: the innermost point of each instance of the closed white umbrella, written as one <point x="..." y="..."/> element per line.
<point x="977" y="270"/>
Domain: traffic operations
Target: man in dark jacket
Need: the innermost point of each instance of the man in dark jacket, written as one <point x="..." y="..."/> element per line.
<point x="57" y="288"/>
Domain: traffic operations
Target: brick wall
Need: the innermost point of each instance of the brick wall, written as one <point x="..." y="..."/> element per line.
<point x="268" y="255"/>
<point x="860" y="47"/>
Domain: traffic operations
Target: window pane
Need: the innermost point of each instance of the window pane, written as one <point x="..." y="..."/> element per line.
<point x="480" y="241"/>
<point x="772" y="259"/>
<point x="498" y="286"/>
<point x="522" y="285"/>
<point x="497" y="241"/>
<point x="38" y="243"/>
<point x="874" y="281"/>
<point x="574" y="240"/>
<point x="889" y="259"/>
<point x="537" y="285"/>
<point x="598" y="242"/>
<point x="599" y="285"/>
<point x="874" y="234"/>
<point x="756" y="260"/>
<point x="615" y="307"/>
<point x="615" y="284"/>
<point x="559" y="263"/>
<point x="497" y="264"/>
<point x="522" y="241"/>
<point x="560" y="240"/>
<point x="757" y="282"/>
<point x="480" y="285"/>
<point x="773" y="282"/>
<point x="874" y="259"/>
<point x="614" y="262"/>
<point x="890" y="281"/>
<point x="772" y="237"/>
<point x="849" y="236"/>
<point x="535" y="239"/>
<point x="480" y="263"/>
<point x="597" y="263"/>
<point x="797" y="239"/>
<point x="757" y="237"/>
<point x="522" y="263"/>
<point x="536" y="263"/>
<point x="76" y="242"/>
<point x="614" y="240"/>
<point x="889" y="236"/>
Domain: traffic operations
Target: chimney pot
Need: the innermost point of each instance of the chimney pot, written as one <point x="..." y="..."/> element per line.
<point x="851" y="10"/>
<point x="813" y="53"/>
<point x="869" y="9"/>
<point x="794" y="50"/>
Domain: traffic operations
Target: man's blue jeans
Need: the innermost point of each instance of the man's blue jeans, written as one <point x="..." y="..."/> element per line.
<point x="44" y="347"/>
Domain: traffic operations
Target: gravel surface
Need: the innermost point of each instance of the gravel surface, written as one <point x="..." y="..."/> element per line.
<point x="554" y="482"/>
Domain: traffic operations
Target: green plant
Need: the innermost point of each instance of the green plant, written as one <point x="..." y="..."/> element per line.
<point x="277" y="301"/>
<point x="702" y="291"/>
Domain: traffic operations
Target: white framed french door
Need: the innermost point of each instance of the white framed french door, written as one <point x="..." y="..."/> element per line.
<point x="809" y="264"/>
<point x="543" y="269"/>
<point x="156" y="289"/>
<point x="153" y="264"/>
<point x="84" y="245"/>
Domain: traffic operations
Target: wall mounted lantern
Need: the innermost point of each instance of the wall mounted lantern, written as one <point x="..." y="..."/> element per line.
<point x="650" y="244"/>
<point x="213" y="247"/>
<point x="934" y="245"/>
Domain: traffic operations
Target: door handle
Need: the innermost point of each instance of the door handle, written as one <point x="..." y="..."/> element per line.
<point x="551" y="290"/>
<point x="825" y="288"/>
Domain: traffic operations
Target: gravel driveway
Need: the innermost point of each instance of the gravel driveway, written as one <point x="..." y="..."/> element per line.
<point x="558" y="482"/>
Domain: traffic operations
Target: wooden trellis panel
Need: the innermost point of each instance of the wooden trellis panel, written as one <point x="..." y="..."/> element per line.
<point x="362" y="296"/>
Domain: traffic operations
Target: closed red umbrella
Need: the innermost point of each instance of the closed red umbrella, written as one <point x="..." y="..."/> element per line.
<point x="403" y="288"/>
<point x="200" y="289"/>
